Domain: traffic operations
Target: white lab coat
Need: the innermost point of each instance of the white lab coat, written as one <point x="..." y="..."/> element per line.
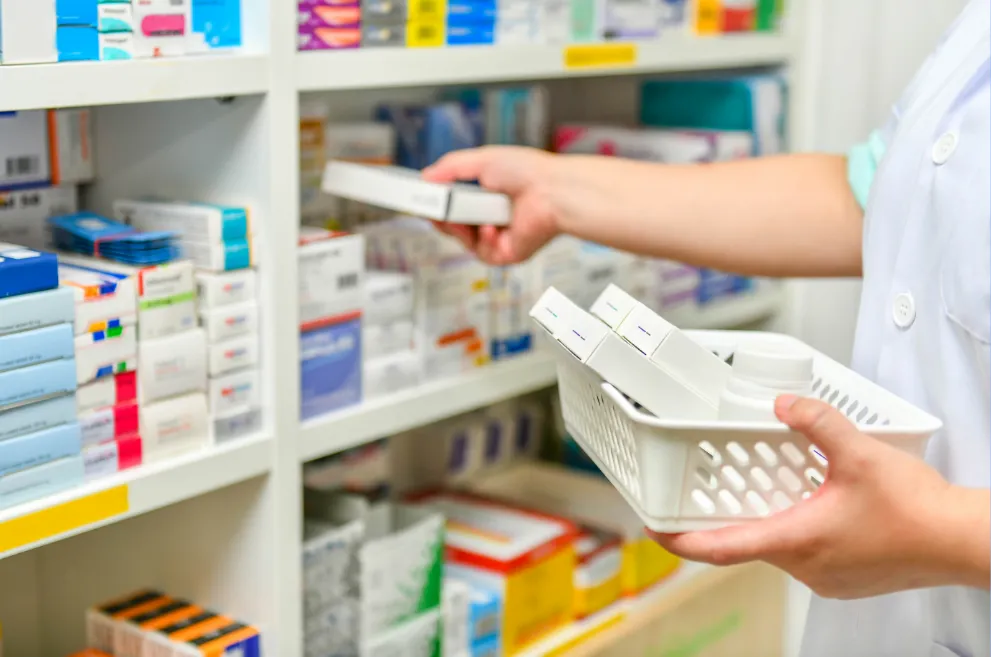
<point x="925" y="325"/>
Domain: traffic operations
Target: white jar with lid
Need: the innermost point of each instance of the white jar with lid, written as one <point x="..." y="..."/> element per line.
<point x="762" y="373"/>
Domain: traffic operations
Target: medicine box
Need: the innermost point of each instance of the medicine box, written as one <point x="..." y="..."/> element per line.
<point x="165" y="641"/>
<point x="101" y="618"/>
<point x="107" y="391"/>
<point x="222" y="256"/>
<point x="331" y="280"/>
<point x="232" y="355"/>
<point x="166" y="293"/>
<point x="23" y="135"/>
<point x="33" y="311"/>
<point x="36" y="346"/>
<point x="31" y="450"/>
<point x="23" y="270"/>
<point x="229" y="322"/>
<point x="193" y="222"/>
<point x="588" y="499"/>
<point x="129" y="636"/>
<point x="103" y="299"/>
<point x="27" y="32"/>
<point x="329" y="38"/>
<point x="326" y="16"/>
<point x="40" y="416"/>
<point x="37" y="382"/>
<point x="33" y="483"/>
<point x="400" y="561"/>
<point x="330" y="367"/>
<point x="102" y="353"/>
<point x="232" y="638"/>
<point x="527" y="558"/>
<point x="161" y="28"/>
<point x="173" y="365"/>
<point x="105" y="459"/>
<point x="385" y="375"/>
<point x="403" y="190"/>
<point x="173" y="426"/>
<point x="419" y="636"/>
<point x="383" y="340"/>
<point x="388" y="297"/>
<point x="103" y="425"/>
<point x="215" y="25"/>
<point x="224" y="428"/>
<point x="116" y="46"/>
<point x="218" y="289"/>
<point x="24" y="213"/>
<point x="598" y="575"/>
<point x="235" y="392"/>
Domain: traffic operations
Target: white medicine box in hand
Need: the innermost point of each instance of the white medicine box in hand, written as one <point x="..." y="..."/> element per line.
<point x="403" y="190"/>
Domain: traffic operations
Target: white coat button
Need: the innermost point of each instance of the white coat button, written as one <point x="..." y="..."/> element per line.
<point x="944" y="147"/>
<point x="903" y="311"/>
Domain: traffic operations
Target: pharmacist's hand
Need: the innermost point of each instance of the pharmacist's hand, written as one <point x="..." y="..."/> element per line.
<point x="880" y="523"/>
<point x="524" y="175"/>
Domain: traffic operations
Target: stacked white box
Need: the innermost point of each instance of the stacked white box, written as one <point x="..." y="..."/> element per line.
<point x="230" y="317"/>
<point x="391" y="360"/>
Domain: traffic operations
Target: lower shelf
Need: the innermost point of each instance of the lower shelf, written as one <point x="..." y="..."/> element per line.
<point x="425" y="404"/>
<point x="130" y="493"/>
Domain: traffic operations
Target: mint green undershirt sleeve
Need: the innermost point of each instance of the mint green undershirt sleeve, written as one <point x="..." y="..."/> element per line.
<point x="862" y="163"/>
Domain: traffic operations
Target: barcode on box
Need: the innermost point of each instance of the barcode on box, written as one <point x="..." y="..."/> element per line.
<point x="25" y="165"/>
<point x="347" y="281"/>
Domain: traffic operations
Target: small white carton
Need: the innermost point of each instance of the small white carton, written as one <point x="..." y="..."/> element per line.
<point x="404" y="190"/>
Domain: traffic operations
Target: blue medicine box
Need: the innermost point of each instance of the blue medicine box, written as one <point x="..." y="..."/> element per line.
<point x="37" y="346"/>
<point x="471" y="11"/>
<point x="77" y="44"/>
<point x="330" y="368"/>
<point x="39" y="448"/>
<point x="470" y="33"/>
<point x="76" y="12"/>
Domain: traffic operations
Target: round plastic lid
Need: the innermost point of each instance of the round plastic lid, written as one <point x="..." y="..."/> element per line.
<point x="770" y="365"/>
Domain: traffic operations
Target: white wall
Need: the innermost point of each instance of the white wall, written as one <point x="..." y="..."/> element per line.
<point x="866" y="52"/>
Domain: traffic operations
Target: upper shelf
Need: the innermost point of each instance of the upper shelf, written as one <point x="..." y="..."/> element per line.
<point x="405" y="67"/>
<point x="40" y="86"/>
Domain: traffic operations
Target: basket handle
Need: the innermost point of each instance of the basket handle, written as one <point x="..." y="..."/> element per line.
<point x="623" y="403"/>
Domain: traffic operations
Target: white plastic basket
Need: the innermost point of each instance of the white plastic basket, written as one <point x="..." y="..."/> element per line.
<point x="684" y="475"/>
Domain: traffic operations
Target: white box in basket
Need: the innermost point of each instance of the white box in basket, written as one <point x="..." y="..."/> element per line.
<point x="615" y="359"/>
<point x="680" y="473"/>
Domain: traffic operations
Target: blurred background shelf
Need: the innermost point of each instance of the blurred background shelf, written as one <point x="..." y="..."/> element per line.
<point x="80" y="84"/>
<point x="377" y="68"/>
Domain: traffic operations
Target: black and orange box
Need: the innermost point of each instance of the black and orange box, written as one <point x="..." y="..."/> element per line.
<point x="101" y="621"/>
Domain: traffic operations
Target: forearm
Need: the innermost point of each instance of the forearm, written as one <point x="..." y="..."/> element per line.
<point x="788" y="216"/>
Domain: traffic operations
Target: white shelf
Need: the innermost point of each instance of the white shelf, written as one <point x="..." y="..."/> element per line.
<point x="376" y="68"/>
<point x="147" y="488"/>
<point x="78" y="84"/>
<point x="731" y="312"/>
<point x="423" y="405"/>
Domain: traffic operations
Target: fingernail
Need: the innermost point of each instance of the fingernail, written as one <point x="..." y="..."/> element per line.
<point x="786" y="401"/>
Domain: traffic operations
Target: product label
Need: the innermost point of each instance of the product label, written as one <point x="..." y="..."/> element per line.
<point x="601" y="55"/>
<point x="100" y="460"/>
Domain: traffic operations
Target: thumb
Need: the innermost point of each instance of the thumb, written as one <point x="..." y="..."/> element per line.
<point x="823" y="425"/>
<point x="457" y="166"/>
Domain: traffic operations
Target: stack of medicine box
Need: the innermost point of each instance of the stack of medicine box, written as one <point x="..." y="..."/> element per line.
<point x="150" y="623"/>
<point x="40" y="445"/>
<point x="451" y="293"/>
<point x="89" y="30"/>
<point x="219" y="241"/>
<point x="171" y="356"/>
<point x="105" y="327"/>
<point x="331" y="297"/>
<point x="383" y="23"/>
<point x="471" y="620"/>
<point x="328" y="25"/>
<point x="391" y="360"/>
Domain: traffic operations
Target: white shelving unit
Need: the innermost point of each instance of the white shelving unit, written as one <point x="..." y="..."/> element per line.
<point x="222" y="526"/>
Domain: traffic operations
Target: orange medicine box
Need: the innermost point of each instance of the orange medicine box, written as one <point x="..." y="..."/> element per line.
<point x="101" y="620"/>
<point x="232" y="639"/>
<point x="163" y="642"/>
<point x="598" y="577"/>
<point x="129" y="636"/>
<point x="526" y="558"/>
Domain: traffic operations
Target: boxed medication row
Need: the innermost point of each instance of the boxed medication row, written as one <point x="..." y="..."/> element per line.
<point x="150" y="623"/>
<point x="108" y="458"/>
<point x="36" y="417"/>
<point x="40" y="481"/>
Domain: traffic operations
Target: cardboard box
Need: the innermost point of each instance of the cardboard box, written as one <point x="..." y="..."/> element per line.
<point x="37" y="383"/>
<point x="101" y="620"/>
<point x="27" y="32"/>
<point x="112" y="457"/>
<point x="24" y="213"/>
<point x="36" y="346"/>
<point x="103" y="299"/>
<point x="104" y="425"/>
<point x="107" y="391"/>
<point x="174" y="365"/>
<point x="103" y="353"/>
<point x="527" y="558"/>
<point x="228" y="322"/>
<point x="404" y="190"/>
<point x="219" y="289"/>
<point x="174" y="426"/>
<point x="40" y="416"/>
